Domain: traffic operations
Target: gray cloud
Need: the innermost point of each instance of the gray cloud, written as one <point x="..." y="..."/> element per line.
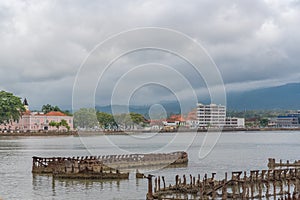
<point x="254" y="43"/>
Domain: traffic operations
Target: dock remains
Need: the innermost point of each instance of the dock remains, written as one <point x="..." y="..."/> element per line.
<point x="272" y="163"/>
<point x="279" y="184"/>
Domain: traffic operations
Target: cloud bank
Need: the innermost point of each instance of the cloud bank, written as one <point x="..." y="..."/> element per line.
<point x="43" y="43"/>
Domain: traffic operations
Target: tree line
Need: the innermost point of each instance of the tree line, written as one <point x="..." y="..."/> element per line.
<point x="12" y="108"/>
<point x="90" y="118"/>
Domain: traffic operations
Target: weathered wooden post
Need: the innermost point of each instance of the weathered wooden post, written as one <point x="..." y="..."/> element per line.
<point x="155" y="185"/>
<point x="205" y="179"/>
<point x="268" y="175"/>
<point x="271" y="163"/>
<point x="214" y="193"/>
<point x="281" y="187"/>
<point x="263" y="172"/>
<point x="198" y="180"/>
<point x="251" y="185"/>
<point x="149" y="194"/>
<point x="213" y="176"/>
<point x="184" y="179"/>
<point x="158" y="183"/>
<point x="260" y="189"/>
<point x="288" y="185"/>
<point x="201" y="190"/>
<point x="274" y="188"/>
<point x="244" y="185"/>
<point x="267" y="188"/>
<point x="224" y="191"/>
<point x="163" y="179"/>
<point x="233" y="189"/>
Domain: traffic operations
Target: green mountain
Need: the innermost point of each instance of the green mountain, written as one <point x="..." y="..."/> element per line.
<point x="286" y="97"/>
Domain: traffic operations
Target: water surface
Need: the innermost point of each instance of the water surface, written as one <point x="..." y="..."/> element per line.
<point x="233" y="151"/>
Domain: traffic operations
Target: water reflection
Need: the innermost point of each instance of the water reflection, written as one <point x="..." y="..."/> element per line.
<point x="45" y="181"/>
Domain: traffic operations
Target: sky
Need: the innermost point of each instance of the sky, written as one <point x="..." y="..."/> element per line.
<point x="57" y="51"/>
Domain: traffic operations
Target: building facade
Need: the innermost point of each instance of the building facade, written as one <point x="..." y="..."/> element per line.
<point x="235" y="122"/>
<point x="211" y="115"/>
<point x="38" y="121"/>
<point x="287" y="122"/>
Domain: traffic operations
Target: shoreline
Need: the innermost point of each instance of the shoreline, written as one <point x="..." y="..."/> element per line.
<point x="133" y="132"/>
<point x="72" y="133"/>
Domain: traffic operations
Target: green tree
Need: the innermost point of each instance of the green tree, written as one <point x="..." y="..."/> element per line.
<point x="67" y="112"/>
<point x="11" y="107"/>
<point x="130" y="120"/>
<point x="48" y="108"/>
<point x="63" y="122"/>
<point x="137" y="118"/>
<point x="85" y="118"/>
<point x="264" y="122"/>
<point x="106" y="120"/>
<point x="53" y="123"/>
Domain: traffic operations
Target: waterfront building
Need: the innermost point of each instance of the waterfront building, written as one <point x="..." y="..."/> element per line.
<point x="291" y="120"/>
<point x="288" y="121"/>
<point x="155" y="124"/>
<point x="211" y="115"/>
<point x="234" y="122"/>
<point x="191" y="119"/>
<point x="38" y="121"/>
<point x="175" y="120"/>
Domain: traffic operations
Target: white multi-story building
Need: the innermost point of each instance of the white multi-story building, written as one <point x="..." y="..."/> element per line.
<point x="235" y="122"/>
<point x="211" y="115"/>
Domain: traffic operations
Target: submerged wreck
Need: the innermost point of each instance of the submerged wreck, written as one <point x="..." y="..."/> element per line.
<point x="103" y="167"/>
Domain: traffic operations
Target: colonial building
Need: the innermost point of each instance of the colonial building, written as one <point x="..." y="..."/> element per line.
<point x="38" y="121"/>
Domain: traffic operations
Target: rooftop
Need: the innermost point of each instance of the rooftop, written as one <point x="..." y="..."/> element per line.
<point x="55" y="113"/>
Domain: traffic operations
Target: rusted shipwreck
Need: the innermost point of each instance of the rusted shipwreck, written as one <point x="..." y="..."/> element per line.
<point x="75" y="168"/>
<point x="103" y="167"/>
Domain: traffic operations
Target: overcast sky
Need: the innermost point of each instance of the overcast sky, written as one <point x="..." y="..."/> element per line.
<point x="43" y="43"/>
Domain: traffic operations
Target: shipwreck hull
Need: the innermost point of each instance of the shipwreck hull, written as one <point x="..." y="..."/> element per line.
<point x="102" y="167"/>
<point x="107" y="163"/>
<point x="97" y="176"/>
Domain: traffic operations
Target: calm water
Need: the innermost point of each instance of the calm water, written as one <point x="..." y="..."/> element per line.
<point x="233" y="151"/>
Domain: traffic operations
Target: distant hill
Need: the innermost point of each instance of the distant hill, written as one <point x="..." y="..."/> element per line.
<point x="286" y="97"/>
<point x="170" y="107"/>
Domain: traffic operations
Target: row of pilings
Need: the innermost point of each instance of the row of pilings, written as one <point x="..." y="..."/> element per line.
<point x="258" y="184"/>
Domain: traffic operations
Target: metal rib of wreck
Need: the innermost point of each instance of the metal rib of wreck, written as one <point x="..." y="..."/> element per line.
<point x="101" y="167"/>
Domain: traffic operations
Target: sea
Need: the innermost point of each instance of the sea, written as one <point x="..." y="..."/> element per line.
<point x="208" y="153"/>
